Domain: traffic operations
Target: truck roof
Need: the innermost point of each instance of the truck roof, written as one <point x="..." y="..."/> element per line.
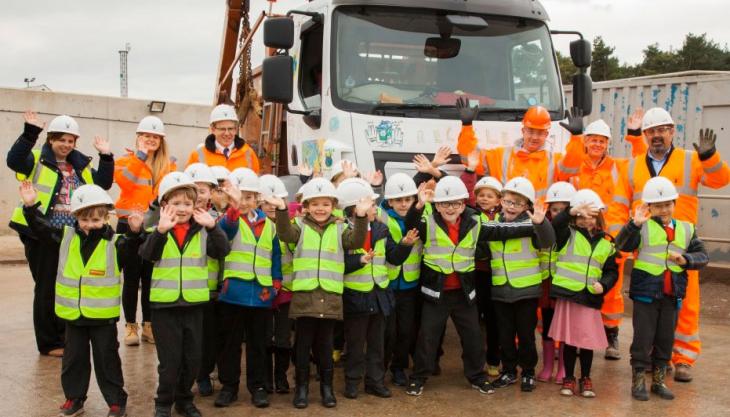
<point x="530" y="9"/>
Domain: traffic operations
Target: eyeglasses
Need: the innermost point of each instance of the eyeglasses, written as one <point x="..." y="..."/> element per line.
<point x="535" y="132"/>
<point x="226" y="129"/>
<point x="510" y="204"/>
<point x="450" y="204"/>
<point x="660" y="130"/>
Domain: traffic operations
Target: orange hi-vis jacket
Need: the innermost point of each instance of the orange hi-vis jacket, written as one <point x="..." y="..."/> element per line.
<point x="135" y="181"/>
<point x="243" y="156"/>
<point x="542" y="167"/>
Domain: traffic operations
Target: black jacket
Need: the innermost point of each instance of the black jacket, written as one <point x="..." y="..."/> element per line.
<point x="651" y="286"/>
<point x="20" y="159"/>
<point x="432" y="281"/>
<point x="609" y="276"/>
<point x="217" y="247"/>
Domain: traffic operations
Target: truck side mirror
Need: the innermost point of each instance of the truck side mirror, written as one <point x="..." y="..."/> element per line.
<point x="583" y="92"/>
<point x="580" y="53"/>
<point x="279" y="32"/>
<point x="277" y="79"/>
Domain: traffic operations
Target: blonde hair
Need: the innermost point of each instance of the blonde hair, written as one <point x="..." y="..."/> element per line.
<point x="159" y="161"/>
<point x="100" y="210"/>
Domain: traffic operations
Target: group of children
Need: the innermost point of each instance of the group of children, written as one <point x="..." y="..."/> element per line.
<point x="234" y="262"/>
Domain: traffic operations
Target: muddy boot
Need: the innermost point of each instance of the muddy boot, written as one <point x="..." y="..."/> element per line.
<point x="612" y="352"/>
<point x="281" y="365"/>
<point x="548" y="361"/>
<point x="301" y="392"/>
<point x="683" y="372"/>
<point x="658" y="386"/>
<point x="325" y="388"/>
<point x="269" y="366"/>
<point x="638" y="386"/>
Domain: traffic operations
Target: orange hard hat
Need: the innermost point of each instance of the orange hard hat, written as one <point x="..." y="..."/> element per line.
<point x="537" y="117"/>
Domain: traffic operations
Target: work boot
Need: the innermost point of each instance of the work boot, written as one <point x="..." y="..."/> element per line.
<point x="147" y="333"/>
<point x="548" y="361"/>
<point x="378" y="390"/>
<point x="658" y="386"/>
<point x="351" y="389"/>
<point x="325" y="388"/>
<point x="638" y="385"/>
<point x="131" y="338"/>
<point x="612" y="352"/>
<point x="301" y="392"/>
<point x="560" y="374"/>
<point x="281" y="365"/>
<point x="683" y="372"/>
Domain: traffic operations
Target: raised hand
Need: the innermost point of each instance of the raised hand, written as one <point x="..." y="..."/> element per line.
<point x="233" y="193"/>
<point x="362" y="206"/>
<point x="167" y="219"/>
<point x="422" y="164"/>
<point x="410" y="238"/>
<point x="102" y="145"/>
<point x="31" y="118"/>
<point x="441" y="157"/>
<point x="27" y="193"/>
<point x="373" y="178"/>
<point x="425" y="195"/>
<point x="598" y="287"/>
<point x="472" y="160"/>
<point x="641" y="215"/>
<point x="538" y="213"/>
<point x="275" y="201"/>
<point x="135" y="220"/>
<point x="348" y="169"/>
<point x="635" y="119"/>
<point x="707" y="141"/>
<point x="575" y="121"/>
<point x="203" y="218"/>
<point x="585" y="210"/>
<point x="365" y="259"/>
<point x="467" y="114"/>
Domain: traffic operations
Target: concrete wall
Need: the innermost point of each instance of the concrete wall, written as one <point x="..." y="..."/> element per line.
<point x="115" y="118"/>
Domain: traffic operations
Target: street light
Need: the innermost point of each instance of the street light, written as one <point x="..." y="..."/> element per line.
<point x="27" y="81"/>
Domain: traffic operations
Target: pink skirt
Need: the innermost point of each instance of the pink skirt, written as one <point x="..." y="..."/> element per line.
<point x="578" y="325"/>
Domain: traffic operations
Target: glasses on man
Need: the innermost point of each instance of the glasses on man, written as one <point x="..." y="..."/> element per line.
<point x="225" y="129"/>
<point x="450" y="204"/>
<point x="510" y="204"/>
<point x="659" y="130"/>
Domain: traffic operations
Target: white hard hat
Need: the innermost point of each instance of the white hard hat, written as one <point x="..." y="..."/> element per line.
<point x="174" y="181"/>
<point x="659" y="190"/>
<point x="352" y="190"/>
<point x="450" y="188"/>
<point x="599" y="127"/>
<point x="589" y="196"/>
<point x="64" y="124"/>
<point x="200" y="172"/>
<point x="220" y="172"/>
<point x="318" y="187"/>
<point x="89" y="195"/>
<point x="223" y="112"/>
<point x="151" y="124"/>
<point x="245" y="179"/>
<point x="560" y="192"/>
<point x="399" y="185"/>
<point x="272" y="185"/>
<point x="521" y="186"/>
<point x="337" y="168"/>
<point x="656" y="116"/>
<point x="488" y="182"/>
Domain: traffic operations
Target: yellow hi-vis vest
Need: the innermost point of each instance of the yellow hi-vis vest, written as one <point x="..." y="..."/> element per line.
<point x="214" y="273"/>
<point x="579" y="265"/>
<point x="548" y="259"/>
<point x="412" y="266"/>
<point x="319" y="260"/>
<point x="654" y="249"/>
<point x="374" y="273"/>
<point x="44" y="181"/>
<point x="515" y="262"/>
<point x="182" y="274"/>
<point x="250" y="258"/>
<point x="440" y="253"/>
<point x="287" y="264"/>
<point x="92" y="290"/>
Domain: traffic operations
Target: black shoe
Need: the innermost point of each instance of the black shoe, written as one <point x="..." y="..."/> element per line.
<point x="225" y="398"/>
<point x="281" y="385"/>
<point x="658" y="386"/>
<point x="301" y="392"/>
<point x="484" y="387"/>
<point x="528" y="383"/>
<point x="205" y="387"/>
<point x="351" y="390"/>
<point x="415" y="387"/>
<point x="378" y="390"/>
<point x="260" y="398"/>
<point x="72" y="408"/>
<point x="188" y="410"/>
<point x="399" y="378"/>
<point x="162" y="411"/>
<point x="504" y="379"/>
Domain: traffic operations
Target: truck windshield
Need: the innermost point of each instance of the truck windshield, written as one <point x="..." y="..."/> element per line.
<point x="417" y="60"/>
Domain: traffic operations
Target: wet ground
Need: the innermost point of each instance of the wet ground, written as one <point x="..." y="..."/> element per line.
<point x="30" y="383"/>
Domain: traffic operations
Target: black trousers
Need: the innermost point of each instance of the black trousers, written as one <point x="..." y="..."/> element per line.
<point x="401" y="329"/>
<point x="314" y="335"/>
<point x="101" y="343"/>
<point x="483" y="287"/>
<point x="213" y="339"/>
<point x="134" y="273"/>
<point x="237" y="321"/>
<point x="43" y="262"/>
<point x="365" y="339"/>
<point x="518" y="319"/>
<point x="547" y="321"/>
<point x="465" y="317"/>
<point x="278" y="332"/>
<point x="178" y="333"/>
<point x="654" y="325"/>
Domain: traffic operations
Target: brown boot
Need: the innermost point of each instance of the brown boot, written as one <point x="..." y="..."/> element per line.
<point x="658" y="386"/>
<point x="147" y="333"/>
<point x="131" y="338"/>
<point x="682" y="372"/>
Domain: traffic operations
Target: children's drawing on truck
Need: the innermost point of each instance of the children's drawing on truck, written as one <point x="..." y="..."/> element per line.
<point x="314" y="155"/>
<point x="385" y="134"/>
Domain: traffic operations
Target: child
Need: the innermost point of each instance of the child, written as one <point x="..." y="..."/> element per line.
<point x="667" y="248"/>
<point x="317" y="283"/>
<point x="516" y="279"/>
<point x="584" y="271"/>
<point x="247" y="291"/>
<point x="87" y="293"/>
<point x="558" y="199"/>
<point x="451" y="236"/>
<point x="218" y="197"/>
<point x="179" y="247"/>
<point x="402" y="325"/>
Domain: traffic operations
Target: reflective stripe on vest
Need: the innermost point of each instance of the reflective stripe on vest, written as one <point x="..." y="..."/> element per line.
<point x="287" y="264"/>
<point x="214" y="273"/>
<point x="684" y="189"/>
<point x="654" y="249"/>
<point x="412" y="265"/>
<point x="92" y="290"/>
<point x="44" y="180"/>
<point x="251" y="258"/>
<point x="182" y="274"/>
<point x="516" y="262"/>
<point x="319" y="260"/>
<point x="579" y="265"/>
<point x="539" y="192"/>
<point x="440" y="253"/>
<point x="375" y="272"/>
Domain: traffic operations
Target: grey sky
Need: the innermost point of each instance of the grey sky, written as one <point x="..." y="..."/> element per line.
<point x="72" y="45"/>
